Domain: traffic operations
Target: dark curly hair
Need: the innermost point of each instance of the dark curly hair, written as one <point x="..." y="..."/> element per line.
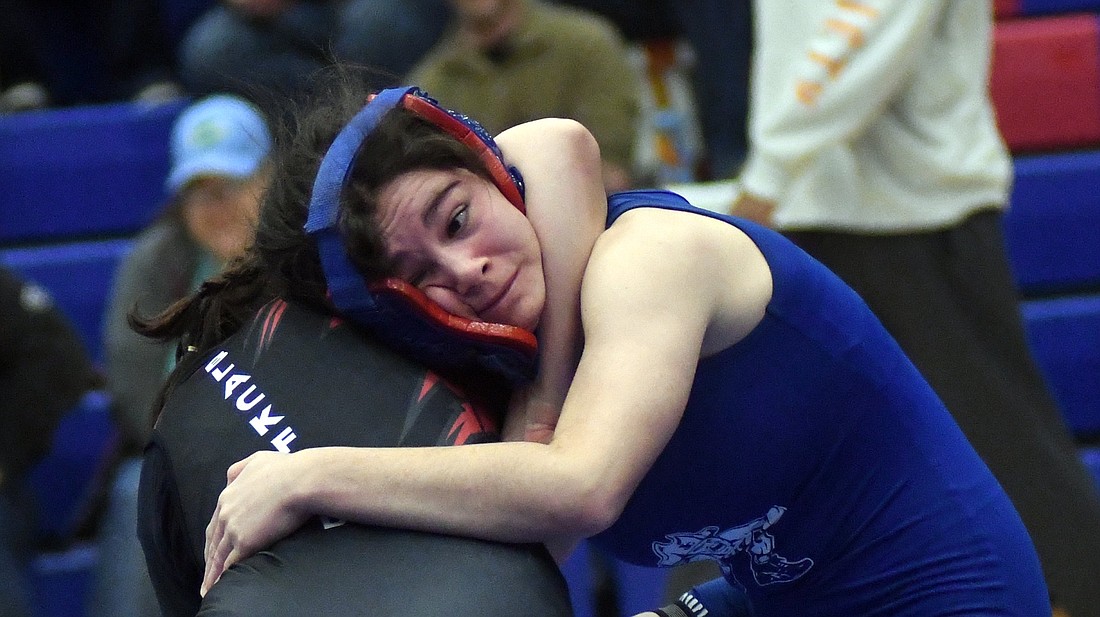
<point x="283" y="261"/>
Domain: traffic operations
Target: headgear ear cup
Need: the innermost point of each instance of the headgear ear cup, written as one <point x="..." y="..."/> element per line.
<point x="469" y="132"/>
<point x="394" y="311"/>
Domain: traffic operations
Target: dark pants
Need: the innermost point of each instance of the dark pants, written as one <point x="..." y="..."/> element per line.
<point x="949" y="299"/>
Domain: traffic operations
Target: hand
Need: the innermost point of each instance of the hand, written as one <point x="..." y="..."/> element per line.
<point x="754" y="208"/>
<point x="253" y="511"/>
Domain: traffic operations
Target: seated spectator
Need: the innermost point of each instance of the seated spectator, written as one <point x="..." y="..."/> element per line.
<point x="219" y="149"/>
<point x="267" y="50"/>
<point x="44" y="370"/>
<point x="512" y="61"/>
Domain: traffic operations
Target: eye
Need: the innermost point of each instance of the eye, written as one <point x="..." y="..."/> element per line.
<point x="458" y="221"/>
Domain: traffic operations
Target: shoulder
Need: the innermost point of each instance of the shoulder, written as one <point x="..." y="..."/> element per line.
<point x="654" y="252"/>
<point x="166" y="239"/>
<point x="691" y="264"/>
<point x="661" y="233"/>
<point x="433" y="66"/>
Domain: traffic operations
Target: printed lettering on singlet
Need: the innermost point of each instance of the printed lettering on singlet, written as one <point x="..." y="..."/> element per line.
<point x="248" y="400"/>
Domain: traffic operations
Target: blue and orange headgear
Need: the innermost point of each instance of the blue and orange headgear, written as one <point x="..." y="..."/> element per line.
<point x="396" y="312"/>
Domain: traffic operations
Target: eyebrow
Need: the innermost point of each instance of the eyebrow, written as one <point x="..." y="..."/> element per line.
<point x="433" y="206"/>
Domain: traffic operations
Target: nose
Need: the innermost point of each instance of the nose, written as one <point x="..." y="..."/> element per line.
<point x="466" y="273"/>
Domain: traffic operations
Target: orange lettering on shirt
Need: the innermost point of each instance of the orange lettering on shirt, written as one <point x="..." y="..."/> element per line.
<point x="832" y="65"/>
<point x="852" y="31"/>
<point x="807" y="92"/>
<point x="858" y="7"/>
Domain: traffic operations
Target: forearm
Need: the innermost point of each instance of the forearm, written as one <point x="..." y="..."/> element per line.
<point x="510" y="492"/>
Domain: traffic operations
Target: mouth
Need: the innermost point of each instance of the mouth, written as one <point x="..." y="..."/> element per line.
<point x="491" y="307"/>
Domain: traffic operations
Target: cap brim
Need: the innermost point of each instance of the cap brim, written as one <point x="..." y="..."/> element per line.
<point x="233" y="167"/>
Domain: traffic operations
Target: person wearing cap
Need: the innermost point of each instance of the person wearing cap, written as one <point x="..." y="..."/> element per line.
<point x="219" y="148"/>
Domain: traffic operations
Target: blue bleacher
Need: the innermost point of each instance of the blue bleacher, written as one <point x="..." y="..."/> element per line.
<point x="1052" y="234"/>
<point x="1091" y="456"/>
<point x="1052" y="229"/>
<point x="65" y="481"/>
<point x="63" y="581"/>
<point x="78" y="183"/>
<point x="83" y="172"/>
<point x="1052" y="7"/>
<point x="1064" y="334"/>
<point x="79" y="275"/>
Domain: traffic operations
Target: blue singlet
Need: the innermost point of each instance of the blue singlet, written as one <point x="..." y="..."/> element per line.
<point x="819" y="469"/>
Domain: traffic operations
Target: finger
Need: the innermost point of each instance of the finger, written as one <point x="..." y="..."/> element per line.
<point x="235" y="470"/>
<point x="215" y="565"/>
<point x="215" y="531"/>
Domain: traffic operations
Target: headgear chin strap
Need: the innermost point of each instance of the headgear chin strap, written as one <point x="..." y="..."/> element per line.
<point x="396" y="312"/>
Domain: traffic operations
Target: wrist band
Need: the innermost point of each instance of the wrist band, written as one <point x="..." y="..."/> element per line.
<point x="686" y="606"/>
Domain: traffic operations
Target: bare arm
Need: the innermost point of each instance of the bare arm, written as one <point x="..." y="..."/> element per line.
<point x="566" y="204"/>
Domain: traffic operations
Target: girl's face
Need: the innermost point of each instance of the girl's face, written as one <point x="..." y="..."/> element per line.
<point x="455" y="237"/>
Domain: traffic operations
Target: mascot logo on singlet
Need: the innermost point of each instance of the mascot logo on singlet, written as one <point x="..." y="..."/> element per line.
<point x="752" y="538"/>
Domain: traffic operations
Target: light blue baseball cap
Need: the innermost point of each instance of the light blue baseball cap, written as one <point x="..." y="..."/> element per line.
<point x="220" y="135"/>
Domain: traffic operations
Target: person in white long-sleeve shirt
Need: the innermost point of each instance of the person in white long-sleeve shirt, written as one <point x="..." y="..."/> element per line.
<point x="874" y="146"/>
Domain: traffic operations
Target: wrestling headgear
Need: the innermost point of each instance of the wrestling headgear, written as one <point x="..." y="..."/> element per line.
<point x="396" y="312"/>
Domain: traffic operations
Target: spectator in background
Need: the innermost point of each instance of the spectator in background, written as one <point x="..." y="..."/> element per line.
<point x="874" y="145"/>
<point x="56" y="53"/>
<point x="219" y="150"/>
<point x="720" y="34"/>
<point x="267" y="50"/>
<point x="506" y="62"/>
<point x="44" y="370"/>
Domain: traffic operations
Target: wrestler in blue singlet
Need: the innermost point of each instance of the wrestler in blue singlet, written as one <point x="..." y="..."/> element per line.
<point x="819" y="469"/>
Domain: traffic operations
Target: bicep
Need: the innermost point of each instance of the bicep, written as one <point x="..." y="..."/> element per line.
<point x="562" y="170"/>
<point x="644" y="326"/>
